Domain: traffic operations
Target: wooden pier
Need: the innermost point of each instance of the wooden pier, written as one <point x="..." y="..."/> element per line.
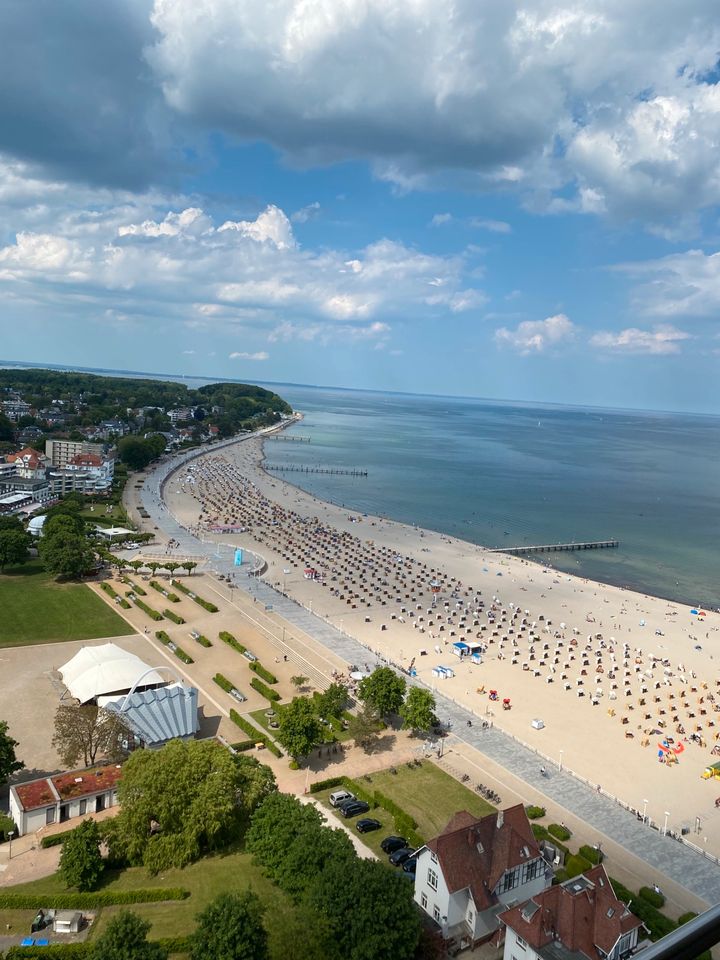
<point x="554" y="547"/>
<point x="290" y="438"/>
<point x="334" y="471"/>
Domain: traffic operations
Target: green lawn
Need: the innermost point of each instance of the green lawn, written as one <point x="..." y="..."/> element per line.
<point x="232" y="872"/>
<point x="35" y="609"/>
<point x="426" y="793"/>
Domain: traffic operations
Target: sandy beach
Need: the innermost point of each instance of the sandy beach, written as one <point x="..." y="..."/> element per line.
<point x="625" y="684"/>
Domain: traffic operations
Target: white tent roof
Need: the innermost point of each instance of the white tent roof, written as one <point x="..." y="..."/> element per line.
<point x="98" y="671"/>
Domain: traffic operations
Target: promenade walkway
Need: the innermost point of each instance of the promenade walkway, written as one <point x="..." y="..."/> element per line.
<point x="675" y="860"/>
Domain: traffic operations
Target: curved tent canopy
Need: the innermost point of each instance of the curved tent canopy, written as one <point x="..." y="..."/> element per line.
<point x="98" y="671"/>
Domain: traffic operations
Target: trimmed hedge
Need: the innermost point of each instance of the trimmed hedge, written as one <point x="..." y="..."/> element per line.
<point x="534" y="813"/>
<point x="265" y="691"/>
<point x="7" y="825"/>
<point x="558" y="831"/>
<point x="230" y="640"/>
<point x="175" y="617"/>
<point x="153" y="614"/>
<point x="223" y="682"/>
<point x="55" y="840"/>
<point x="88" y="901"/>
<point x="173" y="945"/>
<point x="140" y="591"/>
<point x="590" y="853"/>
<point x="654" y="898"/>
<point x="202" y="640"/>
<point x="327" y="784"/>
<point x="178" y="651"/>
<point x="210" y="607"/>
<point x="260" y="670"/>
<point x="172" y="597"/>
<point x="251" y="731"/>
<point x="243" y="745"/>
<point x="575" y="865"/>
<point x="109" y="590"/>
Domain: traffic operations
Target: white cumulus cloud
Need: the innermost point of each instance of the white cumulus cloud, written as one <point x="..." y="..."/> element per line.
<point x="239" y="355"/>
<point x="536" y="336"/>
<point x="663" y="339"/>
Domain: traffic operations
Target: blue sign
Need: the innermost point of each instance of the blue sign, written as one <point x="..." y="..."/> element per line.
<point x="238" y="557"/>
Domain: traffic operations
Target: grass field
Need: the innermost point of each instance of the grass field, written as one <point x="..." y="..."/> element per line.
<point x="229" y="873"/>
<point x="35" y="609"/>
<point x="426" y="793"/>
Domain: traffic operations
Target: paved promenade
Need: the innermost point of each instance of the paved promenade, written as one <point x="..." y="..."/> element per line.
<point x="675" y="860"/>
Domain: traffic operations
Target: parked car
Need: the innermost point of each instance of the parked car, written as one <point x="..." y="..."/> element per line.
<point x="340" y="797"/>
<point x="410" y="865"/>
<point x="391" y="844"/>
<point x="367" y="824"/>
<point x="353" y="807"/>
<point x="398" y="858"/>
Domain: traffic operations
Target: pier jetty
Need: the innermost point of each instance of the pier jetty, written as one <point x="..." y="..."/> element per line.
<point x="333" y="471"/>
<point x="554" y="547"/>
<point x="289" y="438"/>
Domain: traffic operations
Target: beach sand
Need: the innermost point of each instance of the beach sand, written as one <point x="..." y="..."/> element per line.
<point x="611" y="673"/>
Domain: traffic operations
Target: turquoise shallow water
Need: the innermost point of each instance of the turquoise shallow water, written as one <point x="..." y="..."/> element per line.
<point x="505" y="474"/>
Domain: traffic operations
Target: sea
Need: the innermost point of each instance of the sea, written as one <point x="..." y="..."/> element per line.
<point x="505" y="474"/>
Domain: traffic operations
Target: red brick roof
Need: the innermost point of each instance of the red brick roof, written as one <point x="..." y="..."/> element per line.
<point x="39" y="793"/>
<point x="87" y="460"/>
<point x="582" y="913"/>
<point x="475" y="853"/>
<point x="29" y="458"/>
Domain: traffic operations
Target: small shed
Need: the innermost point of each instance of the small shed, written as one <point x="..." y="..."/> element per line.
<point x="67" y="921"/>
<point x="460" y="649"/>
<point x="443" y="673"/>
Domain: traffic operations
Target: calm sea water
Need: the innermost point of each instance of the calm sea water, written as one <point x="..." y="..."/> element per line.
<point x="504" y="474"/>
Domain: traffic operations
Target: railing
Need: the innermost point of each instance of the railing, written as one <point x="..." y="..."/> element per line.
<point x="689" y="940"/>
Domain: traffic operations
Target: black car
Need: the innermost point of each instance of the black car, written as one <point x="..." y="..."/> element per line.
<point x="391" y="844"/>
<point x="367" y="824"/>
<point x="410" y="865"/>
<point x="353" y="807"/>
<point x="398" y="858"/>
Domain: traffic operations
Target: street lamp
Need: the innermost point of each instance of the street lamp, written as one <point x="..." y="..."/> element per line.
<point x="667" y="814"/>
<point x="11" y="834"/>
<point x="645" y="803"/>
<point x="561" y="756"/>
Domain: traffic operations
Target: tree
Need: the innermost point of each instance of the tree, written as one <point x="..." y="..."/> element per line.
<point x="135" y="452"/>
<point x="189" y="566"/>
<point x="299" y="681"/>
<point x="13" y="547"/>
<point x="418" y="711"/>
<point x="333" y="701"/>
<point x="365" y="728"/>
<point x="125" y="938"/>
<point x="86" y="732"/>
<point x="182" y="801"/>
<point x="384" y="690"/>
<point x="302" y="933"/>
<point x="299" y="727"/>
<point x="65" y="554"/>
<point x="6" y="429"/>
<point x="9" y="763"/>
<point x="136" y="564"/>
<point x="370" y="912"/>
<point x="81" y="863"/>
<point x="230" y="928"/>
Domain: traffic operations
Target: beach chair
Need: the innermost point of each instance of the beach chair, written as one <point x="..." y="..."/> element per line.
<point x="27" y="942"/>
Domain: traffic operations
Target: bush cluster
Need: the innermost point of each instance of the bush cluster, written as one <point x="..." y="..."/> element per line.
<point x="171" y="615"/>
<point x="264" y="690"/>
<point x="172" y="597"/>
<point x="136" y="588"/>
<point x="230" y="640"/>
<point x="153" y="614"/>
<point x="223" y="682"/>
<point x="6" y="825"/>
<point x="55" y="840"/>
<point x="210" y="607"/>
<point x="559" y="831"/>
<point x="260" y="670"/>
<point x="251" y="731"/>
<point x="534" y="813"/>
<point x="178" y="651"/>
<point x="202" y="640"/>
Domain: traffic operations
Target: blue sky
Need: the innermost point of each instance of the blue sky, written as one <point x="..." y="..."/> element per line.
<point x="514" y="200"/>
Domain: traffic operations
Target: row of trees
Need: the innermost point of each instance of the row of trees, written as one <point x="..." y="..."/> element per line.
<point x="153" y="565"/>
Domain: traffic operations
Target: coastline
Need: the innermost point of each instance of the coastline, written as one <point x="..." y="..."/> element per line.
<point x="591" y="740"/>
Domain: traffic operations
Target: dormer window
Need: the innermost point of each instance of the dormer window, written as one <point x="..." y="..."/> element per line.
<point x="611" y="912"/>
<point x="433" y="857"/>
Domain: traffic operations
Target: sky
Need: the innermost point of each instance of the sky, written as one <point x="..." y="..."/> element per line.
<point x="513" y="200"/>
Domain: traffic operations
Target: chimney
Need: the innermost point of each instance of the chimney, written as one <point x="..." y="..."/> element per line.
<point x="500" y="818"/>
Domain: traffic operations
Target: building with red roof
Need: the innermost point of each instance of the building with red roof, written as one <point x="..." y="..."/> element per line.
<point x="580" y="919"/>
<point x="39" y="803"/>
<point x="475" y="869"/>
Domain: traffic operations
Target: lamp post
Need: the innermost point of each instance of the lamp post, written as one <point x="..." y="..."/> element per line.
<point x="667" y="814"/>
<point x="11" y="834"/>
<point x="645" y="803"/>
<point x="561" y="756"/>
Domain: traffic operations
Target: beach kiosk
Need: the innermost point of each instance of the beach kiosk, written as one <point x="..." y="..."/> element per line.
<point x="460" y="649"/>
<point x="475" y="651"/>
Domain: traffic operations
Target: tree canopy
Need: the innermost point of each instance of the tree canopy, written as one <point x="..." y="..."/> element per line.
<point x="332" y="701"/>
<point x="125" y="938"/>
<point x="300" y="728"/>
<point x="182" y="801"/>
<point x="418" y="711"/>
<point x="64" y="550"/>
<point x="86" y="732"/>
<point x="384" y="690"/>
<point x="81" y="863"/>
<point x="14" y="546"/>
<point x="230" y="928"/>
<point x="365" y="727"/>
<point x="9" y="763"/>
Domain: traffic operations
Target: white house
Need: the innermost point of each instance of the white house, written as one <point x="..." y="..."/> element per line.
<point x="580" y="919"/>
<point x="39" y="803"/>
<point x="475" y="869"/>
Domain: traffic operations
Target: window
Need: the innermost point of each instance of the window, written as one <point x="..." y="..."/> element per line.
<point x="50" y="815"/>
<point x="433" y="857"/>
<point x="520" y="942"/>
<point x="423" y="901"/>
<point x="531" y="870"/>
<point x="510" y="879"/>
<point x="432" y="879"/>
<point x="470" y="916"/>
<point x="436" y="913"/>
<point x="83" y="807"/>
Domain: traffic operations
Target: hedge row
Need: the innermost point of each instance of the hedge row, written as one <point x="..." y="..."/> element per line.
<point x="251" y="731"/>
<point x="559" y="831"/>
<point x="153" y="614"/>
<point x="265" y="691"/>
<point x="210" y="607"/>
<point x="231" y="641"/>
<point x="404" y="823"/>
<point x="657" y="923"/>
<point x="243" y="745"/>
<point x="140" y="591"/>
<point x="592" y="854"/>
<point x="202" y="640"/>
<point x="55" y="840"/>
<point x="172" y="597"/>
<point x="178" y="651"/>
<point x="61" y="951"/>
<point x="541" y="833"/>
<point x="88" y="901"/>
<point x="260" y="670"/>
<point x="175" y="617"/>
<point x="223" y="682"/>
<point x="109" y="590"/>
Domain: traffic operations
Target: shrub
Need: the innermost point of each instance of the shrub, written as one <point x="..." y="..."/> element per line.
<point x="88" y="901"/>
<point x="6" y="826"/>
<point x="251" y="731"/>
<point x="202" y="640"/>
<point x="178" y="651"/>
<point x="210" y="607"/>
<point x="122" y="602"/>
<point x="265" y="691"/>
<point x="175" y="617"/>
<point x="260" y="670"/>
<point x="242" y="745"/>
<point x="55" y="840"/>
<point x="686" y="918"/>
<point x="652" y="897"/>
<point x="136" y="589"/>
<point x="657" y="923"/>
<point x="153" y="614"/>
<point x="231" y="641"/>
<point x="172" y="597"/>
<point x="294" y="765"/>
<point x="534" y="813"/>
<point x="590" y="853"/>
<point x="223" y="682"/>
<point x="621" y="891"/>
<point x="326" y="784"/>
<point x="109" y="590"/>
<point x="559" y="831"/>
<point x="575" y="865"/>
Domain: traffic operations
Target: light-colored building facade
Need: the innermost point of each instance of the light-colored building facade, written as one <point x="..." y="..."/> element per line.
<point x="580" y="919"/>
<point x="40" y="803"/>
<point x="475" y="869"/>
<point x="29" y="464"/>
<point x="62" y="452"/>
<point x="14" y="409"/>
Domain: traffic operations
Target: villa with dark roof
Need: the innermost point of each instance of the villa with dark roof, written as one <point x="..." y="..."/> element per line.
<point x="477" y="868"/>
<point x="580" y="919"/>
